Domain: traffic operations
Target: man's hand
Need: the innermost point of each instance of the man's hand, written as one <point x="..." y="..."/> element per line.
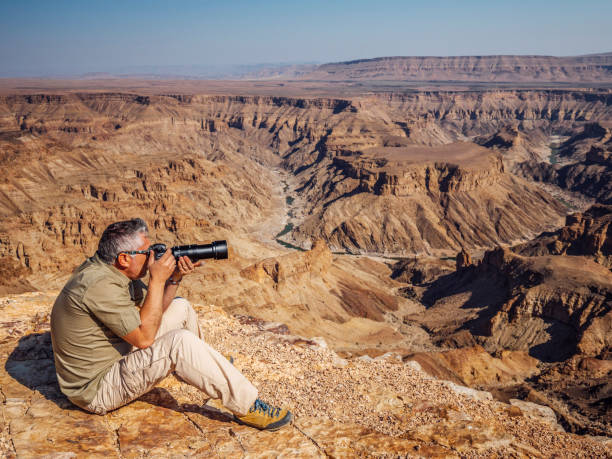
<point x="160" y="270"/>
<point x="183" y="267"/>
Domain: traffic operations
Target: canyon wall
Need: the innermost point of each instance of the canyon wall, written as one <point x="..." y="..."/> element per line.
<point x="198" y="167"/>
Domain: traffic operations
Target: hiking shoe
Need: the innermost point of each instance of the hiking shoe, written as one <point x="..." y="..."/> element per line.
<point x="265" y="417"/>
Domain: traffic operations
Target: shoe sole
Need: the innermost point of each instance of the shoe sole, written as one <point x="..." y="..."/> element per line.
<point x="270" y="427"/>
<point x="280" y="423"/>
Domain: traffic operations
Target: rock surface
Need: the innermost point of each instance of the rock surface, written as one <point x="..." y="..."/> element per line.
<point x="388" y="173"/>
<point x="473" y="366"/>
<point x="421" y="270"/>
<point x="556" y="308"/>
<point x="362" y="408"/>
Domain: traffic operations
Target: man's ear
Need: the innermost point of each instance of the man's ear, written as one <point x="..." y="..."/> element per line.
<point x="123" y="261"/>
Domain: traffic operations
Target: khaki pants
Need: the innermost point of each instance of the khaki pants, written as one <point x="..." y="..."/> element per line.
<point x="179" y="348"/>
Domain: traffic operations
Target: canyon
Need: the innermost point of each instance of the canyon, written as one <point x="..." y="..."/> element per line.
<point x="435" y="233"/>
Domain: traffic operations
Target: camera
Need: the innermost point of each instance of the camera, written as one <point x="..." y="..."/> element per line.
<point x="217" y="250"/>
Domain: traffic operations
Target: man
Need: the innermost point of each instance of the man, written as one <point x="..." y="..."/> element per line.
<point x="112" y="342"/>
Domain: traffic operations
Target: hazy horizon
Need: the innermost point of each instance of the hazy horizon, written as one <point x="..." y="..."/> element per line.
<point x="69" y="38"/>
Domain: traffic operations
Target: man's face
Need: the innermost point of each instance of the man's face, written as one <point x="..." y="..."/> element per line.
<point x="139" y="262"/>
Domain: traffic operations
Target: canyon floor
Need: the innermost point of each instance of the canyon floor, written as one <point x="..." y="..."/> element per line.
<point x="413" y="270"/>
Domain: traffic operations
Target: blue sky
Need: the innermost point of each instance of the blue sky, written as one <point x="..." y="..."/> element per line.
<point x="61" y="37"/>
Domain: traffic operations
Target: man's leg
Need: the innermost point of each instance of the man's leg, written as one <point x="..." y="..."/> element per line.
<point x="194" y="361"/>
<point x="179" y="314"/>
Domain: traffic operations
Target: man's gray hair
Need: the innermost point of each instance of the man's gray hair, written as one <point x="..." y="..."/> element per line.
<point x="121" y="237"/>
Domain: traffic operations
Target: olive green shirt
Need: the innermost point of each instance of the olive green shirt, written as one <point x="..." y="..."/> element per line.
<point x="97" y="306"/>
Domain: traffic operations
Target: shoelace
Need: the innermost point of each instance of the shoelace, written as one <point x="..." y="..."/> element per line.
<point x="264" y="408"/>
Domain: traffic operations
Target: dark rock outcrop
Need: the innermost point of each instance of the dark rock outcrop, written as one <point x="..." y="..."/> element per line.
<point x="588" y="233"/>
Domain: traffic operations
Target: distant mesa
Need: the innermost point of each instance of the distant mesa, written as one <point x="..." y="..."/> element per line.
<point x="510" y="68"/>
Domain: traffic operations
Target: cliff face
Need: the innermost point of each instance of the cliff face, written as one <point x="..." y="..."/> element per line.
<point x="345" y="170"/>
<point x="552" y="306"/>
<point x="391" y="174"/>
<point x="589" y="141"/>
<point x="555" y="308"/>
<point x="388" y="177"/>
<point x="351" y="303"/>
<point x="570" y="294"/>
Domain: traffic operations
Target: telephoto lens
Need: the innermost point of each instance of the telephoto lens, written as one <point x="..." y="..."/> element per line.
<point x="217" y="250"/>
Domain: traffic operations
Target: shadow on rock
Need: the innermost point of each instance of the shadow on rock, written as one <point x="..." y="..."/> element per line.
<point x="484" y="291"/>
<point x="161" y="397"/>
<point x="484" y="294"/>
<point x="31" y="364"/>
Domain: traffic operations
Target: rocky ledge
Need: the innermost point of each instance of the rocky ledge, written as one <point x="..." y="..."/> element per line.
<point x="344" y="408"/>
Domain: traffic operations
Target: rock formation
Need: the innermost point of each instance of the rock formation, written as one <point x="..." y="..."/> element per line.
<point x="349" y="301"/>
<point x="464" y="260"/>
<point x="554" y="307"/>
<point x="552" y="293"/>
<point x="421" y="270"/>
<point x="557" y="308"/>
<point x="417" y="200"/>
<point x="185" y="163"/>
<point x="518" y="145"/>
<point x="473" y="366"/>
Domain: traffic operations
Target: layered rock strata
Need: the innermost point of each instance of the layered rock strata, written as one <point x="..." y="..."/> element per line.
<point x="349" y="301"/>
<point x="556" y="308"/>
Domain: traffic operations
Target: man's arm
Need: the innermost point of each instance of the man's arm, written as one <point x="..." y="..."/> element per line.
<point x="169" y="294"/>
<point x="183" y="267"/>
<point x="152" y="307"/>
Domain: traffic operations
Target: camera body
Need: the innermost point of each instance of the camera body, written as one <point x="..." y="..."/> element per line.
<point x="217" y="251"/>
